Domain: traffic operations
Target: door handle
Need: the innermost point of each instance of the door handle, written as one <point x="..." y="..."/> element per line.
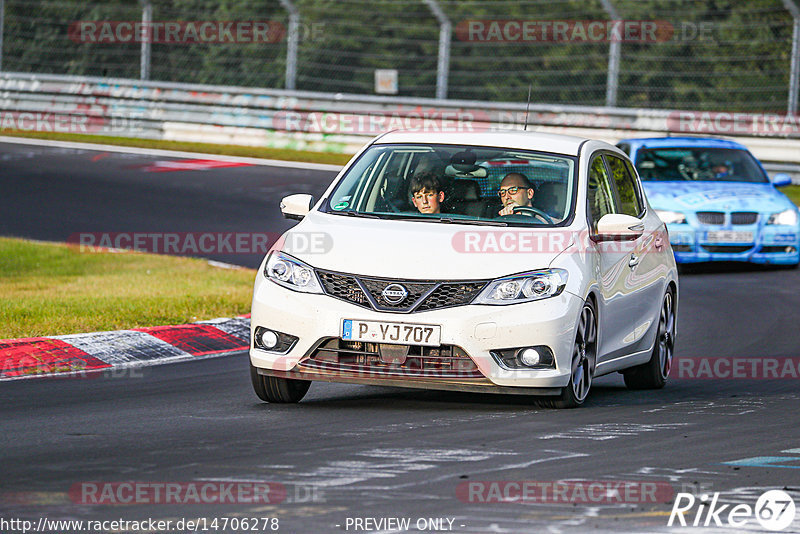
<point x="634" y="261"/>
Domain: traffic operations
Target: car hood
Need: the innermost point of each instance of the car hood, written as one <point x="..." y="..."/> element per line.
<point x="420" y="250"/>
<point x="715" y="196"/>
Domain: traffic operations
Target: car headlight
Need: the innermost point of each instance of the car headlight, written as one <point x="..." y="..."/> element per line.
<point x="524" y="287"/>
<point x="291" y="273"/>
<point x="671" y="217"/>
<point x="786" y="217"/>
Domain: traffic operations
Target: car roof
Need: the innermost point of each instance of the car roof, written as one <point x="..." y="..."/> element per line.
<point x="544" y="142"/>
<point x="668" y="142"/>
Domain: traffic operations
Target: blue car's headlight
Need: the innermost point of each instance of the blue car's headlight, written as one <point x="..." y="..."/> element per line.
<point x="524" y="287"/>
<point x="671" y="217"/>
<point x="291" y="273"/>
<point x="786" y="217"/>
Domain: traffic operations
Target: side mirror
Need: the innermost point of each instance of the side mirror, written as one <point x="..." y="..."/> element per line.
<point x="781" y="180"/>
<point x="296" y="206"/>
<point x="615" y="227"/>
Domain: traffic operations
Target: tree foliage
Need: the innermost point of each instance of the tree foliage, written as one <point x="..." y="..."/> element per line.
<point x="711" y="54"/>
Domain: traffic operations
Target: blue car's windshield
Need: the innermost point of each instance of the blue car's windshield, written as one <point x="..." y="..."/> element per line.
<point x="698" y="164"/>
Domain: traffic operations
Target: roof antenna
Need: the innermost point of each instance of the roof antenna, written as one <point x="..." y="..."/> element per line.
<point x="527" y="107"/>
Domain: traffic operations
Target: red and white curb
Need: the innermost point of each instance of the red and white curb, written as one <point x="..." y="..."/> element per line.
<point x="80" y="353"/>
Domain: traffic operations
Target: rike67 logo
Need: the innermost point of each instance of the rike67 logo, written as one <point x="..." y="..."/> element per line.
<point x="774" y="510"/>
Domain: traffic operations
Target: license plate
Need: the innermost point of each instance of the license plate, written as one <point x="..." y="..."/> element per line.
<point x="394" y="333"/>
<point x="727" y="236"/>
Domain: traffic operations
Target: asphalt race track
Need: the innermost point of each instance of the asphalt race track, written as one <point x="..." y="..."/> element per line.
<point x="357" y="452"/>
<point x="54" y="193"/>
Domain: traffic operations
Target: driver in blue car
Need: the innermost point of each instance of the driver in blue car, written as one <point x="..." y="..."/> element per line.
<point x="515" y="190"/>
<point x="721" y="170"/>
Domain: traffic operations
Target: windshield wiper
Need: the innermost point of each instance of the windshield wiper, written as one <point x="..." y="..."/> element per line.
<point x="352" y="213"/>
<point x="475" y="222"/>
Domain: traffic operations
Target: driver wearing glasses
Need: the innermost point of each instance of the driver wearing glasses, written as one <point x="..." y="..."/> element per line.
<point x="515" y="190"/>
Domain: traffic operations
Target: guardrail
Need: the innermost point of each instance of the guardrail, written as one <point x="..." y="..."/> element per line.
<point x="340" y="122"/>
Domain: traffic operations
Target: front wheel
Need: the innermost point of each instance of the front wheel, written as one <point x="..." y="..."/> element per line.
<point x="278" y="390"/>
<point x="653" y="374"/>
<point x="584" y="359"/>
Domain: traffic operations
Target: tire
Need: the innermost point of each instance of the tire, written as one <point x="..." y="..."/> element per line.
<point x="654" y="373"/>
<point x="584" y="359"/>
<point x="278" y="390"/>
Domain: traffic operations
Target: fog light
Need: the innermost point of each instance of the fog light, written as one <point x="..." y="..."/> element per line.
<point x="529" y="357"/>
<point x="525" y="358"/>
<point x="269" y="339"/>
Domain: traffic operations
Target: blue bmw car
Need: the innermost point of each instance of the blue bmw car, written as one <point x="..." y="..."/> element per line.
<point x="717" y="200"/>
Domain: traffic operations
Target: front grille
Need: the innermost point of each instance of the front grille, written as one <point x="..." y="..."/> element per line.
<point x="452" y="294"/>
<point x="727" y="249"/>
<point x="711" y="217"/>
<point x="415" y="291"/>
<point x="343" y="287"/>
<point x="365" y="359"/>
<point x="422" y="295"/>
<point x="681" y="248"/>
<point x="744" y="217"/>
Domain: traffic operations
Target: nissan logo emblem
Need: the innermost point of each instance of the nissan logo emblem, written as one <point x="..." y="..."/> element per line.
<point x="394" y="293"/>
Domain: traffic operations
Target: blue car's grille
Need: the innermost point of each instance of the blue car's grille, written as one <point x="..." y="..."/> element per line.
<point x="744" y="217"/>
<point x="718" y="217"/>
<point x="711" y="217"/>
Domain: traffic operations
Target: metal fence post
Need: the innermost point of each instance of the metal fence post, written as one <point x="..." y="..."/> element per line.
<point x="445" y="33"/>
<point x="146" y="37"/>
<point x="794" y="73"/>
<point x="2" y="28"/>
<point x="291" y="43"/>
<point x="614" y="51"/>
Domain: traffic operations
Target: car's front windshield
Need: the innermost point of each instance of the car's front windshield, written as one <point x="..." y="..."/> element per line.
<point x="458" y="184"/>
<point x="698" y="164"/>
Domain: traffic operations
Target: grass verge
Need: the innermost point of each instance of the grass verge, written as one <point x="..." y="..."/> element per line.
<point x="793" y="192"/>
<point x="285" y="154"/>
<point x="50" y="289"/>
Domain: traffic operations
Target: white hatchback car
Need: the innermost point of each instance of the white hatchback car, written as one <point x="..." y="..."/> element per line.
<point x="505" y="262"/>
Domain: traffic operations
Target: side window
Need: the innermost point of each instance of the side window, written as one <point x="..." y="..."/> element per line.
<point x="629" y="203"/>
<point x="600" y="198"/>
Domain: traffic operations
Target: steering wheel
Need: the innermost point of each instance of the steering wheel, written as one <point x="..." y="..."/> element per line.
<point x="530" y="210"/>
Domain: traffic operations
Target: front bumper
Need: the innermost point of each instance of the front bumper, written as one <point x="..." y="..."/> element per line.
<point x="769" y="246"/>
<point x="476" y="329"/>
